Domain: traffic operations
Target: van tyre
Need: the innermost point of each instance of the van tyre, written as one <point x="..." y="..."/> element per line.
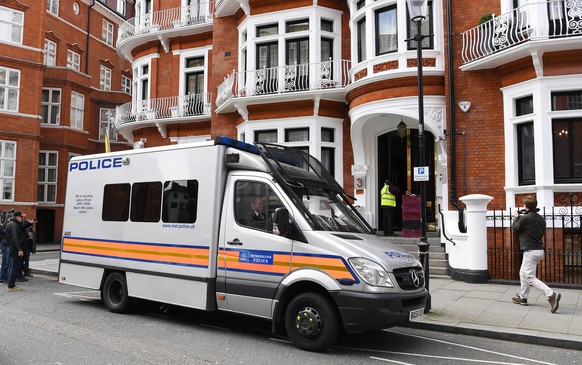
<point x="312" y="322"/>
<point x="114" y="293"/>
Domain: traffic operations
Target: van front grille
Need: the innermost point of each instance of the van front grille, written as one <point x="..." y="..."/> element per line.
<point x="410" y="278"/>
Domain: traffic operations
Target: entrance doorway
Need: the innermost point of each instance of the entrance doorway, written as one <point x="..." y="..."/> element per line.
<point x="45" y="228"/>
<point x="396" y="158"/>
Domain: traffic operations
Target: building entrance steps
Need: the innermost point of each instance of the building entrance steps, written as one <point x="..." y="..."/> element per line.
<point x="436" y="253"/>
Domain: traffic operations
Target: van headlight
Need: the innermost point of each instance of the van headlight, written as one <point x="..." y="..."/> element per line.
<point x="371" y="272"/>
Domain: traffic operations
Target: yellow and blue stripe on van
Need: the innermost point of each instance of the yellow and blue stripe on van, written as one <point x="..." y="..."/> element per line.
<point x="282" y="263"/>
<point x="193" y="256"/>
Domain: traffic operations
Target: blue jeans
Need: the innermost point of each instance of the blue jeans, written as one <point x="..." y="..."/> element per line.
<point x="14" y="266"/>
<point x="4" y="268"/>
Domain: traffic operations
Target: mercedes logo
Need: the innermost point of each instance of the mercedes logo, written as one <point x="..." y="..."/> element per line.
<point x="415" y="278"/>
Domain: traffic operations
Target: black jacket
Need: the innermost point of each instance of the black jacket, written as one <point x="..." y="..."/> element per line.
<point x="531" y="228"/>
<point x="15" y="235"/>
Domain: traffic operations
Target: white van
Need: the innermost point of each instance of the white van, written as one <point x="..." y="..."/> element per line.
<point x="262" y="230"/>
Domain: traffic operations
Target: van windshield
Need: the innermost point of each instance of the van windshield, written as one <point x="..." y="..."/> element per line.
<point x="329" y="212"/>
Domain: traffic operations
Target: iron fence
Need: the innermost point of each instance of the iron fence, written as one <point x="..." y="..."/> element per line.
<point x="562" y="263"/>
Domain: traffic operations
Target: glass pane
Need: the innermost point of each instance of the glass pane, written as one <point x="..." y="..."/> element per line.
<point x="8" y="168"/>
<point x="42" y="159"/>
<point x="526" y="153"/>
<point x="327" y="159"/>
<point x="195" y="62"/>
<point x="9" y="150"/>
<point x="40" y="194"/>
<point x="17" y="17"/>
<point x="7" y="190"/>
<point x="16" y="34"/>
<point x="12" y="99"/>
<point x="298" y="26"/>
<point x="362" y="40"/>
<point x="2" y="96"/>
<point x="386" y="25"/>
<point x="146" y="201"/>
<point x="116" y="202"/>
<point x="45" y="96"/>
<point x="13" y="78"/>
<point x="41" y="175"/>
<point x="2" y="77"/>
<point x="180" y="201"/>
<point x="52" y="159"/>
<point x="326" y="25"/>
<point x="327" y="134"/>
<point x="56" y="110"/>
<point x="267" y="30"/>
<point x="297" y="135"/>
<point x="56" y="96"/>
<point x="52" y="175"/>
<point x="51" y="194"/>
<point x="44" y="114"/>
<point x="274" y="56"/>
<point x="524" y="106"/>
<point x="326" y="49"/>
<point x="266" y="136"/>
<point x="561" y="149"/>
<point x="569" y="100"/>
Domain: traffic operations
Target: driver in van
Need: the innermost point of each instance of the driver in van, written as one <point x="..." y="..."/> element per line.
<point x="256" y="216"/>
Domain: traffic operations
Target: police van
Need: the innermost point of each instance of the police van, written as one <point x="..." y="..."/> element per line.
<point x="261" y="230"/>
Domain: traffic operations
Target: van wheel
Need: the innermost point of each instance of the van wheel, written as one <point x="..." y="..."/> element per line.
<point x="114" y="293"/>
<point x="312" y="322"/>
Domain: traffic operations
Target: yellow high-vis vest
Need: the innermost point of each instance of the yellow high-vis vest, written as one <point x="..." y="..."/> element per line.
<point x="388" y="199"/>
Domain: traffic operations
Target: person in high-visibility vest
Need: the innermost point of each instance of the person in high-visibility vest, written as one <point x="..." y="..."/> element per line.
<point x="388" y="204"/>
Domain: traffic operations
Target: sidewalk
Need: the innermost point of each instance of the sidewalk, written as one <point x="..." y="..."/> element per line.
<point x="477" y="309"/>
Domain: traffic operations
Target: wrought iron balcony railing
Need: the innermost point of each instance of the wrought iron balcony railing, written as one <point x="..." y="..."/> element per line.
<point x="285" y="79"/>
<point x="534" y="21"/>
<point x="159" y="109"/>
<point x="193" y="14"/>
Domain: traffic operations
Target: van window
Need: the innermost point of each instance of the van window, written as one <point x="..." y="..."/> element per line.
<point x="180" y="201"/>
<point x="146" y="201"/>
<point x="255" y="204"/>
<point x="115" y="202"/>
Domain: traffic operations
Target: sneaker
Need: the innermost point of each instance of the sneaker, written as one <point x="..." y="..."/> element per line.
<point x="519" y="300"/>
<point x="554" y="300"/>
<point x="16" y="288"/>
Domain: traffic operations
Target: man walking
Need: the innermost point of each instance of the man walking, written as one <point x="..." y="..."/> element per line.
<point x="532" y="228"/>
<point x="16" y="241"/>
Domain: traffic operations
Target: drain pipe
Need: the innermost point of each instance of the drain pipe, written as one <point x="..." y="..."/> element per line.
<point x="88" y="37"/>
<point x="453" y="159"/>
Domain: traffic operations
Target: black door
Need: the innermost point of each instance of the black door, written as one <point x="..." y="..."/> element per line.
<point x="266" y="69"/>
<point x="45" y="227"/>
<point x="297" y="69"/>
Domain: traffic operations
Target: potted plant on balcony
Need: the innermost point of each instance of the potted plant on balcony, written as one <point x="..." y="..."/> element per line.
<point x="487" y="30"/>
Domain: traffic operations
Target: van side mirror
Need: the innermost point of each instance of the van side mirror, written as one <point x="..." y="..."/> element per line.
<point x="284" y="226"/>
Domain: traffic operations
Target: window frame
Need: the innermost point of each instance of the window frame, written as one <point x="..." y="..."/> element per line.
<point x="125" y="85"/>
<point x="10" y="90"/>
<point x="3" y="177"/>
<point x="107" y="32"/>
<point x="45" y="185"/>
<point x="522" y="166"/>
<point x="377" y="12"/>
<point x="572" y="178"/>
<point x="104" y="78"/>
<point x="51" y="106"/>
<point x="77" y="110"/>
<point x="50" y="57"/>
<point x="361" y="38"/>
<point x="73" y="60"/>
<point x="12" y="24"/>
<point x="105" y="123"/>
<point x="52" y="6"/>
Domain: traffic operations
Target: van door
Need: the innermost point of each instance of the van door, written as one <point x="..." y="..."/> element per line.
<point x="252" y="259"/>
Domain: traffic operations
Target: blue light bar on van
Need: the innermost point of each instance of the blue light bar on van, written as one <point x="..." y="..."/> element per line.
<point x="226" y="141"/>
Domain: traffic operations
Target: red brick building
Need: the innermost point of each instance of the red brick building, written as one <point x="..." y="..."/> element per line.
<point x="61" y="79"/>
<point x="337" y="78"/>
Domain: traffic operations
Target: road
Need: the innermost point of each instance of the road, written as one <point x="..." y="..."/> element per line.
<point x="50" y="323"/>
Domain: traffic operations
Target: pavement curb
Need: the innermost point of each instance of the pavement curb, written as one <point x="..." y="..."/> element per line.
<point x="44" y="272"/>
<point x="514" y="335"/>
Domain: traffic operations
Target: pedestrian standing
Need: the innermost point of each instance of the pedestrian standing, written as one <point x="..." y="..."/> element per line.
<point x="531" y="228"/>
<point x="4" y="250"/>
<point x="388" y="204"/>
<point x="16" y="242"/>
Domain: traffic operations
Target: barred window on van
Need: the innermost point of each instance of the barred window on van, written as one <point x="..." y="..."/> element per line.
<point x="180" y="203"/>
<point x="116" y="202"/>
<point x="146" y="201"/>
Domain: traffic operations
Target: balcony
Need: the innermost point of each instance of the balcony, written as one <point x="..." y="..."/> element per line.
<point x="163" y="25"/>
<point x="529" y="30"/>
<point x="283" y="83"/>
<point x="160" y="112"/>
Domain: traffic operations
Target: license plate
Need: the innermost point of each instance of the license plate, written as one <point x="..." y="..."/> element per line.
<point x="416" y="314"/>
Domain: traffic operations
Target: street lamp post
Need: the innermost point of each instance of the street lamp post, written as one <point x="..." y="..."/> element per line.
<point x="418" y="10"/>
